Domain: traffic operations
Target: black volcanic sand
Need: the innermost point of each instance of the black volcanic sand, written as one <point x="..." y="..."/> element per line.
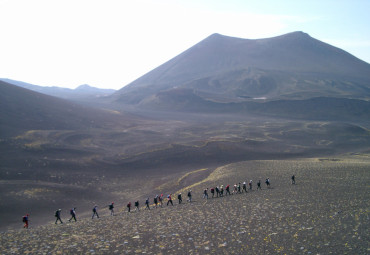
<point x="326" y="212"/>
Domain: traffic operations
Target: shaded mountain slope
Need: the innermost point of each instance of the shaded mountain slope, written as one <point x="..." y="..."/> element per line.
<point x="22" y="110"/>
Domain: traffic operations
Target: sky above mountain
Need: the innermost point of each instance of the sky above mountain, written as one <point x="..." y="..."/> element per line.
<point x="108" y="44"/>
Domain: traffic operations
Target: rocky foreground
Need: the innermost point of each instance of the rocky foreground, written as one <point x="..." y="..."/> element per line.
<point x="326" y="212"/>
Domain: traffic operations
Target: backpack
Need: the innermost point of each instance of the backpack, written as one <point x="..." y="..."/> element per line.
<point x="110" y="207"/>
<point x="24" y="218"/>
<point x="56" y="213"/>
<point x="94" y="209"/>
<point x="71" y="211"/>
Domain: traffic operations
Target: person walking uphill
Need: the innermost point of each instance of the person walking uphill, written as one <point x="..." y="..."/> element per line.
<point x="111" y="208"/>
<point x="179" y="197"/>
<point x="95" y="212"/>
<point x="189" y="196"/>
<point x="147" y="203"/>
<point x="259" y="185"/>
<point x="25" y="220"/>
<point x="205" y="193"/>
<point x="57" y="215"/>
<point x="129" y="207"/>
<point x="293" y="179"/>
<point x="169" y="197"/>
<point x="227" y="190"/>
<point x="137" y="206"/>
<point x="73" y="214"/>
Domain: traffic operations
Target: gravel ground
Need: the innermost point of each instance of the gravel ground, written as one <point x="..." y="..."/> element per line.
<point x="325" y="212"/>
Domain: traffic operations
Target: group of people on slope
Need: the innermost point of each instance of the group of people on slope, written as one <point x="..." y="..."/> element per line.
<point x="238" y="188"/>
<point x="217" y="191"/>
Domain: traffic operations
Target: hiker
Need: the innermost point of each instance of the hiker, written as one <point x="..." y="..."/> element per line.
<point x="245" y="186"/>
<point x="205" y="193"/>
<point x="239" y="188"/>
<point x="95" y="212"/>
<point x="160" y="199"/>
<point x="179" y="197"/>
<point x="137" y="206"/>
<point x="217" y="191"/>
<point x="111" y="208"/>
<point x="147" y="203"/>
<point x="293" y="179"/>
<point x="259" y="185"/>
<point x="25" y="220"/>
<point x="129" y="207"/>
<point x="213" y="192"/>
<point x="155" y="200"/>
<point x="235" y="189"/>
<point x="189" y="196"/>
<point x="73" y="214"/>
<point x="227" y="190"/>
<point x="222" y="191"/>
<point x="169" y="198"/>
<point x="250" y="184"/>
<point x="57" y="215"/>
<point x="268" y="182"/>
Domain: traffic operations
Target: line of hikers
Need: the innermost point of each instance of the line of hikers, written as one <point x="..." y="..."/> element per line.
<point x="217" y="191"/>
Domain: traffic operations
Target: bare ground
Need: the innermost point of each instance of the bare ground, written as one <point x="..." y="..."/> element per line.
<point x="326" y="212"/>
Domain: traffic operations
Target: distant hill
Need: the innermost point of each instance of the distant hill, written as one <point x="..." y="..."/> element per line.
<point x="221" y="70"/>
<point x="22" y="109"/>
<point x="81" y="92"/>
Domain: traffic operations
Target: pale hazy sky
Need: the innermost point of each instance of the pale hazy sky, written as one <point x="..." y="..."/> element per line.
<point x="110" y="43"/>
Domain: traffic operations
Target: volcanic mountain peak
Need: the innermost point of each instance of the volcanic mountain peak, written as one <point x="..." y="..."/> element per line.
<point x="293" y="66"/>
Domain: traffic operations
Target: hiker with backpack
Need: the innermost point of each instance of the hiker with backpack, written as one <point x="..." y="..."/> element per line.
<point x="137" y="206"/>
<point x="245" y="186"/>
<point x="25" y="220"/>
<point x="57" y="215"/>
<point x="222" y="191"/>
<point x="111" y="208"/>
<point x="228" y="190"/>
<point x="205" y="193"/>
<point x="179" y="197"/>
<point x="217" y="191"/>
<point x="250" y="184"/>
<point x="169" y="199"/>
<point x="95" y="212"/>
<point x="267" y="182"/>
<point x="73" y="214"/>
<point x="189" y="196"/>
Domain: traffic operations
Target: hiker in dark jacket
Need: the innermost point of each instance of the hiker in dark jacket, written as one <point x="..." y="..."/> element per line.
<point x="147" y="203"/>
<point x="95" y="212"/>
<point x="73" y="214"/>
<point x="189" y="196"/>
<point x="57" y="215"/>
<point x="111" y="208"/>
<point x="155" y="200"/>
<point x="179" y="197"/>
<point x="137" y="206"/>
<point x="25" y="220"/>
